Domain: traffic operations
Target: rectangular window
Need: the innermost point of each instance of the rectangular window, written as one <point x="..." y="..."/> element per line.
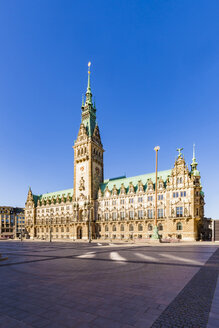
<point x="131" y="200"/>
<point x="140" y="199"/>
<point x="160" y="197"/>
<point x="140" y="214"/>
<point x="57" y="209"/>
<point x="106" y="216"/>
<point x="160" y="212"/>
<point x="150" y="198"/>
<point x="114" y="215"/>
<point x="106" y="203"/>
<point x="114" y="202"/>
<point x="150" y="214"/>
<point x="179" y="211"/>
<point x="122" y="201"/>
<point x="122" y="215"/>
<point x="131" y="215"/>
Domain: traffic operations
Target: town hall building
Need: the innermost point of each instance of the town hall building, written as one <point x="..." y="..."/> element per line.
<point x="122" y="208"/>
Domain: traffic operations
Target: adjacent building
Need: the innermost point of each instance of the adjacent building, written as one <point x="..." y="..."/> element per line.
<point x="12" y="222"/>
<point x="119" y="208"/>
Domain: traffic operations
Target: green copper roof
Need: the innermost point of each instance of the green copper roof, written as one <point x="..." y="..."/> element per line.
<point x="143" y="178"/>
<point x="50" y="195"/>
<point x="60" y="193"/>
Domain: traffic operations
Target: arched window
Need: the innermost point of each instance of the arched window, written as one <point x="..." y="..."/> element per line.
<point x="179" y="226"/>
<point x="122" y="227"/>
<point x="149" y="227"/>
<point x="114" y="228"/>
<point x="81" y="151"/>
<point x="57" y="229"/>
<point x="85" y="150"/>
<point x="160" y="227"/>
<point x="131" y="228"/>
<point x="78" y="152"/>
<point x="106" y="228"/>
<point x="140" y="227"/>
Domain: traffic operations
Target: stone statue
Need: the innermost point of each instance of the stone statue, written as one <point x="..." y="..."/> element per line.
<point x="81" y="186"/>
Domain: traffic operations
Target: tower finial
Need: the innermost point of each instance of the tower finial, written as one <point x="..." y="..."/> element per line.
<point x="193" y="152"/>
<point x="88" y="82"/>
<point x="88" y="92"/>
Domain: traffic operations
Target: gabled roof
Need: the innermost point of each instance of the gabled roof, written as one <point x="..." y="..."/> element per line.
<point x="143" y="178"/>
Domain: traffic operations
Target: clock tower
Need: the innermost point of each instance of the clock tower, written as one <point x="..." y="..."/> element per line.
<point x="88" y="152"/>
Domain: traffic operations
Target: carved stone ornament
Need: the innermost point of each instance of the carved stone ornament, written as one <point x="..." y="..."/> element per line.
<point x="81" y="186"/>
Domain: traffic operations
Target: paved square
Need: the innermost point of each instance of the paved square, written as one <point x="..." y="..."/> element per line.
<point x="107" y="285"/>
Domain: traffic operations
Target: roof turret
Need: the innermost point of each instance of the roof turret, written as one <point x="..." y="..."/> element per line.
<point x="194" y="164"/>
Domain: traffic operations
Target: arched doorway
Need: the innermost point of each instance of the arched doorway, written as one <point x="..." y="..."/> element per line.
<point x="79" y="232"/>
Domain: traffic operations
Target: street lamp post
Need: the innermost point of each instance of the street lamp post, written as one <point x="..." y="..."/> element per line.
<point x="89" y="225"/>
<point x="50" y="230"/>
<point x="155" y="235"/>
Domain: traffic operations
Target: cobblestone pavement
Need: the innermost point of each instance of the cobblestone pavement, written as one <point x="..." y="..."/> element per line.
<point x="105" y="285"/>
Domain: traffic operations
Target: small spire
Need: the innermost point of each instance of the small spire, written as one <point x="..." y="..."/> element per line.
<point x="194" y="163"/>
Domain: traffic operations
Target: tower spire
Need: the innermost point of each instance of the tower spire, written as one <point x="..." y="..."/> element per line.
<point x="88" y="92"/>
<point x="88" y="117"/>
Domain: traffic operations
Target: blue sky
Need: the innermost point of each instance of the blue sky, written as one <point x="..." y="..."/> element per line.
<point x="155" y="77"/>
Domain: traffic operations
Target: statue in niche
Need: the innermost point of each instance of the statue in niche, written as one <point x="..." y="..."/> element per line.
<point x="81" y="186"/>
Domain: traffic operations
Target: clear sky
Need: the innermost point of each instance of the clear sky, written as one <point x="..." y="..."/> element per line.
<point x="155" y="77"/>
